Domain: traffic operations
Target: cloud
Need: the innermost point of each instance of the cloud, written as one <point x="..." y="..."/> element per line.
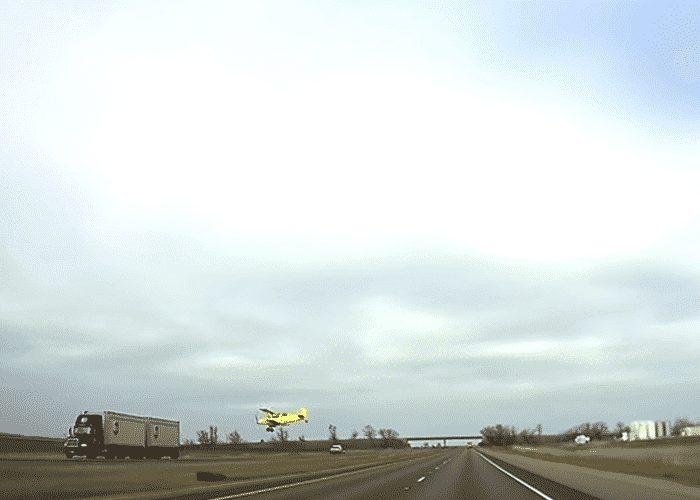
<point x="200" y="229"/>
<point x="217" y="330"/>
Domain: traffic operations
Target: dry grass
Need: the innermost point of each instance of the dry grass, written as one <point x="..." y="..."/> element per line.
<point x="62" y="478"/>
<point x="676" y="461"/>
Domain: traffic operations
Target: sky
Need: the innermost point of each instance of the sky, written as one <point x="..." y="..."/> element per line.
<point x="430" y="216"/>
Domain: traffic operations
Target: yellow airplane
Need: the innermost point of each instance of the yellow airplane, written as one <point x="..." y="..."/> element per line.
<point x="273" y="419"/>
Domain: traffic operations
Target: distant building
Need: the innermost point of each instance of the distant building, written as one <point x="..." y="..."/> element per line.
<point x="690" y="431"/>
<point x="648" y="429"/>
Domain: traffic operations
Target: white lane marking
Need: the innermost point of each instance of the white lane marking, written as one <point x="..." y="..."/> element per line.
<point x="300" y="483"/>
<point x="273" y="488"/>
<point x="421" y="479"/>
<point x="531" y="488"/>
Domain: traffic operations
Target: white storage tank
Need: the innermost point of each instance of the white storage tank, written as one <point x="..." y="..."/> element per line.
<point x="663" y="428"/>
<point x="642" y="429"/>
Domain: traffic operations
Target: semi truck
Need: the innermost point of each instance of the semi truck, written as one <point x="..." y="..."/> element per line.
<point x="119" y="435"/>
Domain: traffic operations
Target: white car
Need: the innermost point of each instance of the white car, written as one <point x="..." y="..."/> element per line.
<point x="581" y="439"/>
<point x="336" y="448"/>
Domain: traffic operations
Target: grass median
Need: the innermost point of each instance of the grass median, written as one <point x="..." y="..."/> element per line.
<point x="133" y="478"/>
<point x="669" y="460"/>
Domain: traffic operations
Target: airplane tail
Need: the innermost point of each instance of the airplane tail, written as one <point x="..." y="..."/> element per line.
<point x="304" y="413"/>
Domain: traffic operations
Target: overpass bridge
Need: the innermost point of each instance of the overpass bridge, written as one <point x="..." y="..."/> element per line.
<point x="444" y="439"/>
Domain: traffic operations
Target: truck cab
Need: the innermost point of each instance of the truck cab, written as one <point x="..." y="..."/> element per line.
<point x="85" y="438"/>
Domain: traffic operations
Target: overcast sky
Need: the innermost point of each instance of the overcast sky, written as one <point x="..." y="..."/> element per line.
<point x="430" y="216"/>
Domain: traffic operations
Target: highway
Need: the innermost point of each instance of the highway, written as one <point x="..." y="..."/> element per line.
<point x="452" y="473"/>
<point x="456" y="474"/>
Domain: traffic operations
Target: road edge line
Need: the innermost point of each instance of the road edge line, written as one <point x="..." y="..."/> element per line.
<point x="528" y="486"/>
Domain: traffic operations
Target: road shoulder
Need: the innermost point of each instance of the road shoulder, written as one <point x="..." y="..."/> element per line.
<point x="605" y="485"/>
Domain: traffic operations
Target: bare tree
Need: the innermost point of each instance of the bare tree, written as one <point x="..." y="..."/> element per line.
<point x="369" y="432"/>
<point x="499" y="435"/>
<point x="213" y="435"/>
<point x="597" y="430"/>
<point x="621" y="427"/>
<point x="389" y="436"/>
<point x="539" y="430"/>
<point x="281" y="436"/>
<point x="678" y="425"/>
<point x="203" y="438"/>
<point x="234" y="438"/>
<point x="526" y="436"/>
<point x="332" y="433"/>
<point x="354" y="435"/>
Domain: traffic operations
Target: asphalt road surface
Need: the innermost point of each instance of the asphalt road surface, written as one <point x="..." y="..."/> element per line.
<point x="457" y="474"/>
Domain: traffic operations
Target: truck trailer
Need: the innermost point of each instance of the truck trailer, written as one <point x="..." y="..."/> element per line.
<point x="119" y="435"/>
